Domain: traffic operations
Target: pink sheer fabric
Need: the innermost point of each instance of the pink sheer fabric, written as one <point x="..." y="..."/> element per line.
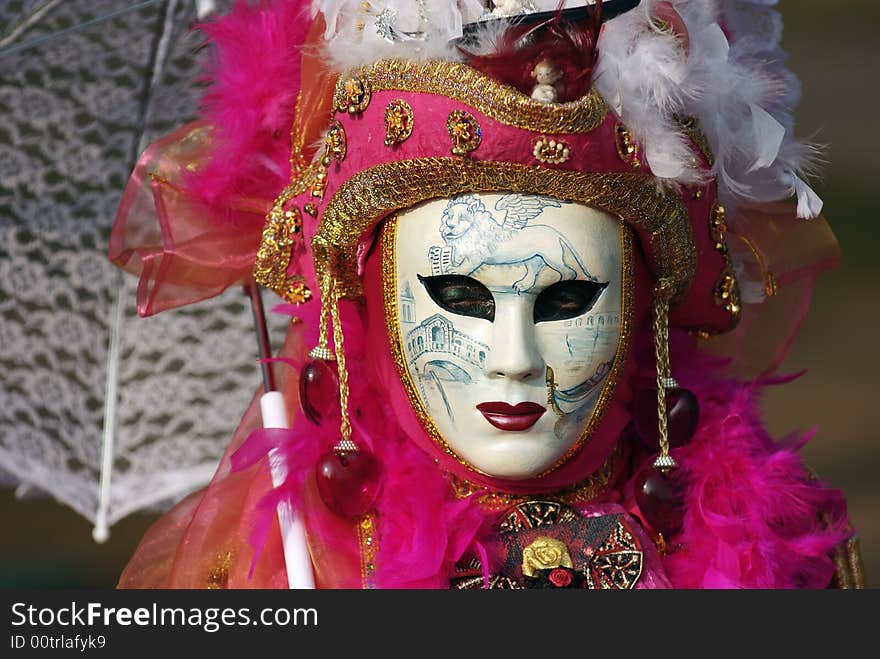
<point x="779" y="258"/>
<point x="171" y="241"/>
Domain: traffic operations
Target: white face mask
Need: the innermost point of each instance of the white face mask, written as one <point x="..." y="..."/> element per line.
<point x="508" y="315"/>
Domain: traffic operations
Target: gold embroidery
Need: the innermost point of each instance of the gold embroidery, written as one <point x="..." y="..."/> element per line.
<point x="583" y="492"/>
<point x="464" y="131"/>
<point x="379" y="190"/>
<point x="553" y="152"/>
<point x="697" y="136"/>
<point x="618" y="563"/>
<point x="726" y="289"/>
<point x="335" y="149"/>
<point x="280" y="234"/>
<point x="463" y="83"/>
<point x="399" y="121"/>
<point x="352" y="94"/>
<point x="849" y="572"/>
<point x="627" y="148"/>
<point x="369" y="549"/>
<point x="218" y="575"/>
<point x="598" y="552"/>
<point x="390" y="292"/>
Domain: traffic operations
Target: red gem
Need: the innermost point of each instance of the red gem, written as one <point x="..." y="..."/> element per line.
<point x="660" y="501"/>
<point x="319" y="391"/>
<point x="348" y="482"/>
<point x="682" y="413"/>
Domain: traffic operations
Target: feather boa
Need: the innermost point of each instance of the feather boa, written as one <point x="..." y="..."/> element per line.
<point x="754" y="515"/>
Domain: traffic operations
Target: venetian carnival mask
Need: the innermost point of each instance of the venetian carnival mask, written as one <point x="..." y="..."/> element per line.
<point x="508" y="312"/>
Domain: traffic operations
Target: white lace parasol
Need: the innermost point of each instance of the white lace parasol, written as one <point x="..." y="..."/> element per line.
<point x="107" y="412"/>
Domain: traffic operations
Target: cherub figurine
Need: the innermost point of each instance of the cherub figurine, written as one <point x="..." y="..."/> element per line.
<point x="546" y="75"/>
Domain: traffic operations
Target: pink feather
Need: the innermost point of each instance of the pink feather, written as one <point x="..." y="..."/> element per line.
<point x="755" y="517"/>
<point x="254" y="80"/>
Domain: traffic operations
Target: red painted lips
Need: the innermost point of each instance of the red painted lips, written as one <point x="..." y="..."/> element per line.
<point x="505" y="416"/>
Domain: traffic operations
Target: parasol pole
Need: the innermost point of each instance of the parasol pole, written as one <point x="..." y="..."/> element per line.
<point x="293" y="537"/>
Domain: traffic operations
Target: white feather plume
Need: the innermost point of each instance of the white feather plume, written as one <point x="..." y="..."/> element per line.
<point x="426" y="29"/>
<point x="732" y="80"/>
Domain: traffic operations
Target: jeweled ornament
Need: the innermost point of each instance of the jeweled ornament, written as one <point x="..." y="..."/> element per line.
<point x="682" y="414"/>
<point x="348" y="481"/>
<point x="660" y="500"/>
<point x="319" y="391"/>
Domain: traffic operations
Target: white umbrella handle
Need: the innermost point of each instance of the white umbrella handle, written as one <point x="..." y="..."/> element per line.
<point x="293" y="534"/>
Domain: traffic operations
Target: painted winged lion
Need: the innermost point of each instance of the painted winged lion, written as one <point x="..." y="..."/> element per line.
<point x="475" y="238"/>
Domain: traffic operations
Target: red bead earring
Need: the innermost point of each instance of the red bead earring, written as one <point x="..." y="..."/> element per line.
<point x="666" y="417"/>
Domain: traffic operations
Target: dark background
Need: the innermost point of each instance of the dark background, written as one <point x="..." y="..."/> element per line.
<point x="833" y="49"/>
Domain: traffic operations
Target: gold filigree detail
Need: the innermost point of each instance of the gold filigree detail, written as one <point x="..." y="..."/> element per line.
<point x="627" y="148"/>
<point x="726" y="291"/>
<point x="849" y="571"/>
<point x="385" y="188"/>
<point x="352" y="94"/>
<point x="619" y="562"/>
<point x="498" y="101"/>
<point x="335" y="149"/>
<point x="218" y="575"/>
<point x="464" y="131"/>
<point x="582" y="492"/>
<point x="369" y="549"/>
<point x="399" y="121"/>
<point x="554" y="152"/>
<point x="335" y="144"/>
<point x="698" y="137"/>
<point x="602" y="550"/>
<point x="281" y="232"/>
<point x="390" y="293"/>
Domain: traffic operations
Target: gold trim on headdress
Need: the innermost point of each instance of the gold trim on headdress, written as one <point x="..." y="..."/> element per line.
<point x="377" y="191"/>
<point x="459" y="81"/>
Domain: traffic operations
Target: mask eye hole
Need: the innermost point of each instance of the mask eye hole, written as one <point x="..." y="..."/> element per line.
<point x="567" y="299"/>
<point x="463" y="296"/>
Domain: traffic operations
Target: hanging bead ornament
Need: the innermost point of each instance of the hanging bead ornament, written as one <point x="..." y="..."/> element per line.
<point x="657" y="494"/>
<point x="660" y="501"/>
<point x="319" y="391"/>
<point x="319" y="380"/>
<point x="348" y="476"/>
<point x="682" y="416"/>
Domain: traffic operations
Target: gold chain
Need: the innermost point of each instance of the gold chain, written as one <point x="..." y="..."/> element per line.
<point x="664" y="372"/>
<point x="345" y="443"/>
